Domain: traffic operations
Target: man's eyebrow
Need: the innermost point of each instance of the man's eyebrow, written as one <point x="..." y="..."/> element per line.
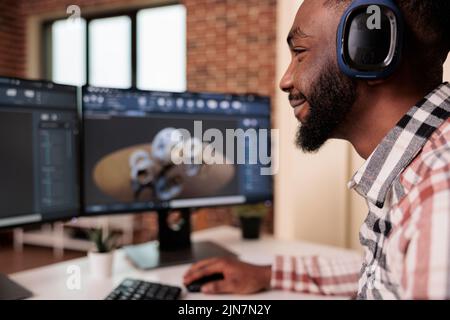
<point x="296" y="33"/>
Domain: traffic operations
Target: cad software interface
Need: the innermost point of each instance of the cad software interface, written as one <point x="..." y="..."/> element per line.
<point x="39" y="156"/>
<point x="129" y="149"/>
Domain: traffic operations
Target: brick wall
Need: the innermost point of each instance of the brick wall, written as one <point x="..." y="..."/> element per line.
<point x="230" y="48"/>
<point x="12" y="51"/>
<point x="231" y="45"/>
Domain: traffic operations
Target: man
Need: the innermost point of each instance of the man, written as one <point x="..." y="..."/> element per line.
<point x="405" y="139"/>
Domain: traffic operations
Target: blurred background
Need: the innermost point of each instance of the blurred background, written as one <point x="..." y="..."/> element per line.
<point x="231" y="46"/>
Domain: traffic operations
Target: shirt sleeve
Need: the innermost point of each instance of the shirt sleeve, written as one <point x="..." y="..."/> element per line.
<point x="317" y="275"/>
<point x="426" y="272"/>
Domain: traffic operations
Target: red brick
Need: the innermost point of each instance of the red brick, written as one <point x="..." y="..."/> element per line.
<point x="230" y="44"/>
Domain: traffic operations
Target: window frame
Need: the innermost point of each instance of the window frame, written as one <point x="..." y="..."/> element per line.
<point x="88" y="17"/>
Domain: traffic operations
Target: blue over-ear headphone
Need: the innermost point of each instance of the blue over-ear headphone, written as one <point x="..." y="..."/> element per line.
<point x="370" y="39"/>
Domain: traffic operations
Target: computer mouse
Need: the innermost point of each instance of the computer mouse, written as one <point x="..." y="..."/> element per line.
<point x="196" y="286"/>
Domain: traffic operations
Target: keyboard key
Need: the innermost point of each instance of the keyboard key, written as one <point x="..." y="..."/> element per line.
<point x="131" y="289"/>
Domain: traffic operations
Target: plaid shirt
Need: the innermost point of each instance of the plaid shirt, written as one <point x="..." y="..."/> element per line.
<point x="406" y="235"/>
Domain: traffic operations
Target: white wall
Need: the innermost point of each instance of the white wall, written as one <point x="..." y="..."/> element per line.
<point x="310" y="190"/>
<point x="312" y="200"/>
<point x="447" y="70"/>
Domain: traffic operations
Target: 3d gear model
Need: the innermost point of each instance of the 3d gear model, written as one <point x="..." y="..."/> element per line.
<point x="149" y="172"/>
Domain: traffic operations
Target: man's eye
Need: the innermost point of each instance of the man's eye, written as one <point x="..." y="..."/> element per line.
<point x="298" y="51"/>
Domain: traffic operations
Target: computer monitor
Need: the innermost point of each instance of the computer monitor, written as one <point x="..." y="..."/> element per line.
<point x="160" y="151"/>
<point x="39" y="153"/>
<point x="39" y="158"/>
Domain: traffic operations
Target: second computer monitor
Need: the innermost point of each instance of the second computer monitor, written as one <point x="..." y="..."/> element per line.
<point x="154" y="150"/>
<point x="39" y="154"/>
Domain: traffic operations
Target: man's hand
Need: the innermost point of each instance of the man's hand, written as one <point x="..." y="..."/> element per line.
<point x="239" y="277"/>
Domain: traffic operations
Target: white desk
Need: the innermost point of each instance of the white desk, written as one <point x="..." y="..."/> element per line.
<point x="50" y="282"/>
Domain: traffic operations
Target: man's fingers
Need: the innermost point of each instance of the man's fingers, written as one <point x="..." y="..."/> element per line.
<point x="198" y="266"/>
<point x="217" y="287"/>
<point x="216" y="267"/>
<point x="204" y="263"/>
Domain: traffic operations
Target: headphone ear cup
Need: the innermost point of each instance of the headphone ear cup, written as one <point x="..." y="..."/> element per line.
<point x="370" y="39"/>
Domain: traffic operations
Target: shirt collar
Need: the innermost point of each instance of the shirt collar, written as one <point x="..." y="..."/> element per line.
<point x="402" y="144"/>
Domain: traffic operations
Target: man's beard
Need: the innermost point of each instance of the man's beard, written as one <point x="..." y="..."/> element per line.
<point x="330" y="100"/>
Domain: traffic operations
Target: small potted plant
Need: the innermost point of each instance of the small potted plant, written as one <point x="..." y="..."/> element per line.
<point x="250" y="217"/>
<point x="101" y="256"/>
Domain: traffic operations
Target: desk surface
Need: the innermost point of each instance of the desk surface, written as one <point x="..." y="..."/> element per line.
<point x="50" y="282"/>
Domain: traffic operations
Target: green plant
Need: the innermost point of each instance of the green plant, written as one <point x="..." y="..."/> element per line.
<point x="103" y="243"/>
<point x="251" y="211"/>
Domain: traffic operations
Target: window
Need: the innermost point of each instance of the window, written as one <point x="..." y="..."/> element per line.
<point x="161" y="51"/>
<point x="68" y="52"/>
<point x="110" y="52"/>
<point x="142" y="48"/>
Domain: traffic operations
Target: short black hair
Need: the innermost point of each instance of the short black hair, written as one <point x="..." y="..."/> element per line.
<point x="429" y="22"/>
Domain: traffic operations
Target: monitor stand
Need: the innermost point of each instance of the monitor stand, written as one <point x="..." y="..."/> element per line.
<point x="174" y="246"/>
<point x="10" y="290"/>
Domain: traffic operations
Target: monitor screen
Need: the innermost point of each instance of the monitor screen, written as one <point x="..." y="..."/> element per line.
<point x="157" y="150"/>
<point x="39" y="152"/>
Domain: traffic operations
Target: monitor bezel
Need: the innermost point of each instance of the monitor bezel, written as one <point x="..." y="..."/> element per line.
<point x="84" y="213"/>
<point x="49" y="85"/>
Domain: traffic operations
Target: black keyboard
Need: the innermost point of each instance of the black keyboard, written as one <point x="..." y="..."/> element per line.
<point x="131" y="289"/>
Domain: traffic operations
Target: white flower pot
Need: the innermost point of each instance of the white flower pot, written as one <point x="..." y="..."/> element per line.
<point x="100" y="264"/>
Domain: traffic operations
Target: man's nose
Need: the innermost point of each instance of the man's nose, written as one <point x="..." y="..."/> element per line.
<point x="286" y="82"/>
